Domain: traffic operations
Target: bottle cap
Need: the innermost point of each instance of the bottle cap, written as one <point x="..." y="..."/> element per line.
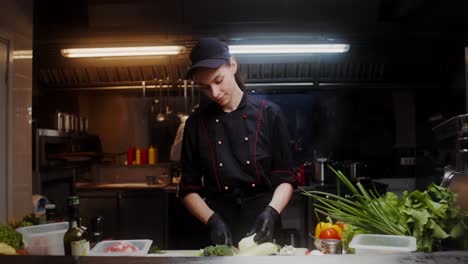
<point x="97" y="224"/>
<point x="98" y="219"/>
<point x="73" y="200"/>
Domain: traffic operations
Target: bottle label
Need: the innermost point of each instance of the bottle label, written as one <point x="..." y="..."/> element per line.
<point x="80" y="248"/>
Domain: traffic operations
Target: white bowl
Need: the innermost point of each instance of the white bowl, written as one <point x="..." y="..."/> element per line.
<point x="143" y="246"/>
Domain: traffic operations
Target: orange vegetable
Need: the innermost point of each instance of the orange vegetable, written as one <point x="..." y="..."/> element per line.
<point x="21" y="252"/>
<point x="342" y="225"/>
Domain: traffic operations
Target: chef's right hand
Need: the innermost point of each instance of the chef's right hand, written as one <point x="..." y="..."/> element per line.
<point x="219" y="231"/>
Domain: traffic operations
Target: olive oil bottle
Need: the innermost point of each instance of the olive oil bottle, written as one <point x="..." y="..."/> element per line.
<point x="75" y="240"/>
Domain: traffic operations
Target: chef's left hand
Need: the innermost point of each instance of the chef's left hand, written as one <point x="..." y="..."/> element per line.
<point x="265" y="225"/>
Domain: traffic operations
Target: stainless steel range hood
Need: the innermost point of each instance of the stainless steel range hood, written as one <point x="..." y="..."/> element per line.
<point x="255" y="74"/>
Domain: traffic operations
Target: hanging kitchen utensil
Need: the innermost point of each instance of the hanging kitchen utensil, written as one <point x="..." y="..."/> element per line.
<point x="183" y="115"/>
<point x="192" y="97"/>
<point x="168" y="110"/>
<point x="185" y="96"/>
<point x="154" y="103"/>
<point x="177" y="98"/>
<point x="160" y="117"/>
<point x="198" y="96"/>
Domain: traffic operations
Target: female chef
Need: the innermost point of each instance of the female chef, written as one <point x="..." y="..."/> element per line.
<point x="236" y="164"/>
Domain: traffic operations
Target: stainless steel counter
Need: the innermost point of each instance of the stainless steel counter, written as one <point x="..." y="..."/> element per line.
<point x="435" y="258"/>
<point x="83" y="187"/>
<point x="119" y="186"/>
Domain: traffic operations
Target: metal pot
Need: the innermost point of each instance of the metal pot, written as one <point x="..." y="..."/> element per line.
<point x="320" y="171"/>
<point x="83" y="125"/>
<point x="60" y="122"/>
<point x="67" y="123"/>
<point x="354" y="169"/>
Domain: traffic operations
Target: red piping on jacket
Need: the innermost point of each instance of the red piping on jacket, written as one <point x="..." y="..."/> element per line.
<point x="188" y="187"/>
<point x="213" y="162"/>
<point x="296" y="177"/>
<point x="256" y="141"/>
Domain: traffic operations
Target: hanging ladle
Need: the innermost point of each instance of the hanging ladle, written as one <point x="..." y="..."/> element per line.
<point x="177" y="97"/>
<point x="160" y="117"/>
<point x="168" y="107"/>
<point x="192" y="99"/>
<point x="185" y="97"/>
<point x="183" y="115"/>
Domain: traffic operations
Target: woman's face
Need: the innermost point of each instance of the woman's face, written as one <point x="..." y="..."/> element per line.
<point x="218" y="84"/>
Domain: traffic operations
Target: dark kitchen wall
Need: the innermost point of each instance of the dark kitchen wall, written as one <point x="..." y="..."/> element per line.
<point x="376" y="103"/>
<point x="348" y="125"/>
<point x="434" y="106"/>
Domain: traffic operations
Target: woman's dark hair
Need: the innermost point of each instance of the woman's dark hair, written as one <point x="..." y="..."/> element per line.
<point x="238" y="77"/>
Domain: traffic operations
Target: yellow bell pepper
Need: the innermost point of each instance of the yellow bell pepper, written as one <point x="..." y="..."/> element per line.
<point x="324" y="225"/>
<point x="6" y="249"/>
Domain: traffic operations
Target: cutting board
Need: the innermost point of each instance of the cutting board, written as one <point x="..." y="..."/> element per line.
<point x="177" y="253"/>
<point x="196" y="253"/>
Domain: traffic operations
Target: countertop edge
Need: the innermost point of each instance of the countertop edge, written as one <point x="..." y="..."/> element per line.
<point x="83" y="187"/>
<point x="448" y="257"/>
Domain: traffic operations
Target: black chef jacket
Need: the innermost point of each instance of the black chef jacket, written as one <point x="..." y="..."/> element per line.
<point x="235" y="160"/>
<point x="241" y="153"/>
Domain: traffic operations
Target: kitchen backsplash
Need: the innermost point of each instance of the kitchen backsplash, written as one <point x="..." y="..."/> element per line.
<point x="130" y="174"/>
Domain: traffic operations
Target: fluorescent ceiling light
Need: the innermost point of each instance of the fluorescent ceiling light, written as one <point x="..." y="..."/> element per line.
<point x="286" y="48"/>
<point x="121" y="51"/>
<point x="22" y="54"/>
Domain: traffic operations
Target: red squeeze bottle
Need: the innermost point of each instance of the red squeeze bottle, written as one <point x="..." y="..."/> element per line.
<point x="302" y="175"/>
<point x="144" y="156"/>
<point x="130" y="156"/>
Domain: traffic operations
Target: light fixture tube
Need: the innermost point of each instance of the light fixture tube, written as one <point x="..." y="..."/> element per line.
<point x="121" y="51"/>
<point x="22" y="54"/>
<point x="287" y="48"/>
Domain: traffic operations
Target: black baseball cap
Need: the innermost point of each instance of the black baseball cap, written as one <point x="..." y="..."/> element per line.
<point x="208" y="53"/>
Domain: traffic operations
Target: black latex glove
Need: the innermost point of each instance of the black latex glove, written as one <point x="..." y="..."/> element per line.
<point x="265" y="225"/>
<point x="219" y="231"/>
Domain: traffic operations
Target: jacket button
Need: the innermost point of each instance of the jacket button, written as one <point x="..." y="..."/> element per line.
<point x="217" y="120"/>
<point x="220" y="164"/>
<point x="253" y="184"/>
<point x="219" y="142"/>
<point x="244" y="116"/>
<point x="247" y="162"/>
<point x="246" y="139"/>
<point x="226" y="187"/>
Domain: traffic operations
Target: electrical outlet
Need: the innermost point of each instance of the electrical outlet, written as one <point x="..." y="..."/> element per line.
<point x="407" y="161"/>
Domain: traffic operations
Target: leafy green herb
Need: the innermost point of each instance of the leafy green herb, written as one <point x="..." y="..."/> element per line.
<point x="28" y="220"/>
<point x="11" y="237"/>
<point x="429" y="216"/>
<point x="219" y="250"/>
<point x="25" y="224"/>
<point x="155" y="250"/>
<point x="348" y="233"/>
<point x="31" y="218"/>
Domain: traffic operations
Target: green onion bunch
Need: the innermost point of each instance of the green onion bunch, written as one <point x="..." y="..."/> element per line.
<point x="429" y="216"/>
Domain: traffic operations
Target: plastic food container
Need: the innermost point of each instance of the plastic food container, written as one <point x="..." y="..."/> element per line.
<point x="376" y="244"/>
<point x="44" y="239"/>
<point x="143" y="246"/>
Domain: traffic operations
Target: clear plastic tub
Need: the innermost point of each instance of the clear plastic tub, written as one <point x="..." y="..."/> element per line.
<point x="44" y="239"/>
<point x="376" y="244"/>
<point x="143" y="246"/>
